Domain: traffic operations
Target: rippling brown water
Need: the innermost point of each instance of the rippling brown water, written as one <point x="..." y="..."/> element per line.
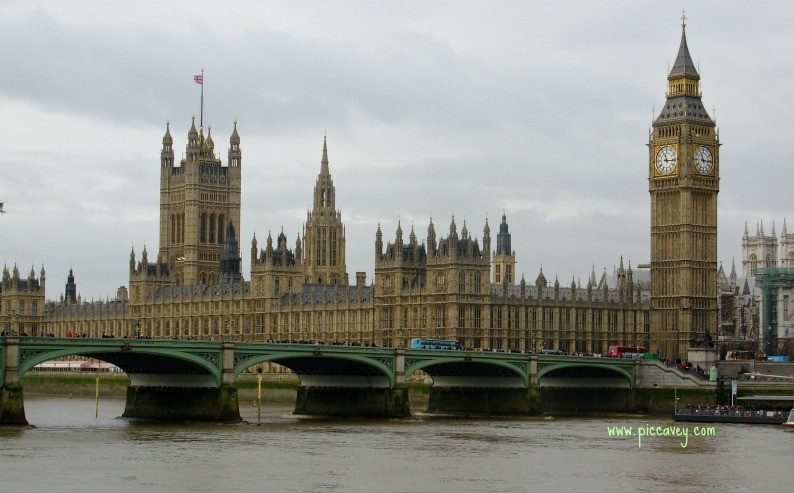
<point x="70" y="450"/>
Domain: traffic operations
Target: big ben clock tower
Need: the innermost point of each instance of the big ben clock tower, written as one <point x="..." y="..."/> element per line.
<point x="683" y="178"/>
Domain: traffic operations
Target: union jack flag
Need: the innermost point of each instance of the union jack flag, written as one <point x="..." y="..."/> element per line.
<point x="198" y="79"/>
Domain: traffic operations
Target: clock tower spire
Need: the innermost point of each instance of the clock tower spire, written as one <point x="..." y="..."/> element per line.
<point x="683" y="177"/>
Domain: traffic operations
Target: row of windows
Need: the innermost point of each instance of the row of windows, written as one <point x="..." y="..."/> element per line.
<point x="8" y="310"/>
<point x="214" y="197"/>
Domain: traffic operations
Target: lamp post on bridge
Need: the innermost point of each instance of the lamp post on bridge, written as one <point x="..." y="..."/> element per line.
<point x="136" y="329"/>
<point x="398" y="334"/>
<point x="229" y="323"/>
<point x="12" y="318"/>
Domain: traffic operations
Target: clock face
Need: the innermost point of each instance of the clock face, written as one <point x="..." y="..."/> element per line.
<point x="665" y="160"/>
<point x="704" y="161"/>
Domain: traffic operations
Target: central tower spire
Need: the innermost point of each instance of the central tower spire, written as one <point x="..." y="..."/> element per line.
<point x="324" y="239"/>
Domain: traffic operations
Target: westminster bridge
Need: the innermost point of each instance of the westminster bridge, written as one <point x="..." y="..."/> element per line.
<point x="185" y="379"/>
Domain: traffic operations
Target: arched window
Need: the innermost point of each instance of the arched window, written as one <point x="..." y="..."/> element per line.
<point x="212" y="228"/>
<point x="203" y="228"/>
<point x="221" y="228"/>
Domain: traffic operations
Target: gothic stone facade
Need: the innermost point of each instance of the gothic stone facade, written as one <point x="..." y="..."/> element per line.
<point x="441" y="287"/>
<point x="449" y="286"/>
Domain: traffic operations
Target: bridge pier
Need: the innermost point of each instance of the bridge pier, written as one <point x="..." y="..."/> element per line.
<point x="183" y="403"/>
<point x="372" y="402"/>
<point x="484" y="401"/>
<point x="12" y="406"/>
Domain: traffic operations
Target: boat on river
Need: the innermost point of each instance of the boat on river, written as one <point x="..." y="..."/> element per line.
<point x="790" y="422"/>
<point x="732" y="415"/>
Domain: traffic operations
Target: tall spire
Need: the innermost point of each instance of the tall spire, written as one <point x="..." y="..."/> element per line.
<point x="684" y="100"/>
<point x="324" y="163"/>
<point x="683" y="61"/>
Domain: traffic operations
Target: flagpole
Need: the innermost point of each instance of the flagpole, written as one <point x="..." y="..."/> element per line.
<point x="201" y="118"/>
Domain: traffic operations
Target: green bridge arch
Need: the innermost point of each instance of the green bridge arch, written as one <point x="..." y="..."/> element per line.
<point x="32" y="353"/>
<point x="415" y="362"/>
<point x="383" y="364"/>
<point x="618" y="370"/>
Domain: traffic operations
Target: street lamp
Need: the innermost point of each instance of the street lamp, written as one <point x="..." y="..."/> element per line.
<point x="398" y="332"/>
<point x="136" y="329"/>
<point x="12" y="317"/>
<point x="229" y="322"/>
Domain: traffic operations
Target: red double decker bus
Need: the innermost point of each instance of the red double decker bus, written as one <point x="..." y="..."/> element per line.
<point x="627" y="351"/>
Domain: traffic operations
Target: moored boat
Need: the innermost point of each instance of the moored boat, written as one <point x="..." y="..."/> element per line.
<point x="730" y="415"/>
<point x="790" y="422"/>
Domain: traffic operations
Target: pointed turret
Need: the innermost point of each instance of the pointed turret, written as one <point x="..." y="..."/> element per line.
<point x="132" y="259"/>
<point x="235" y="137"/>
<point x="192" y="134"/>
<point x="378" y="244"/>
<point x="254" y="250"/>
<point x="683" y="65"/>
<point x="269" y="246"/>
<point x="540" y="282"/>
<point x="503" y="245"/>
<point x="431" y="239"/>
<point x="683" y="90"/>
<point x="324" y="162"/>
<point x="210" y="142"/>
<point x="71" y="288"/>
<point x="399" y="237"/>
<point x="486" y="241"/>
<point x="235" y="154"/>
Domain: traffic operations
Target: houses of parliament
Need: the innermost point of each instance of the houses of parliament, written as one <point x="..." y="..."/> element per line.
<point x="442" y="281"/>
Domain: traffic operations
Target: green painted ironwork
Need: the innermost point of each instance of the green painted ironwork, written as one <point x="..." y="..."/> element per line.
<point x="208" y="356"/>
<point x="621" y="366"/>
<point x="250" y="354"/>
<point x="205" y="354"/>
<point x="417" y="359"/>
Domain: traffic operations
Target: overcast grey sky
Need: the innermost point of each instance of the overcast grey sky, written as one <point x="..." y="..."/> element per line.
<point x="538" y="109"/>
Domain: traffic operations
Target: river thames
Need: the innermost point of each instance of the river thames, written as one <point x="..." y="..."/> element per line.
<point x="69" y="450"/>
